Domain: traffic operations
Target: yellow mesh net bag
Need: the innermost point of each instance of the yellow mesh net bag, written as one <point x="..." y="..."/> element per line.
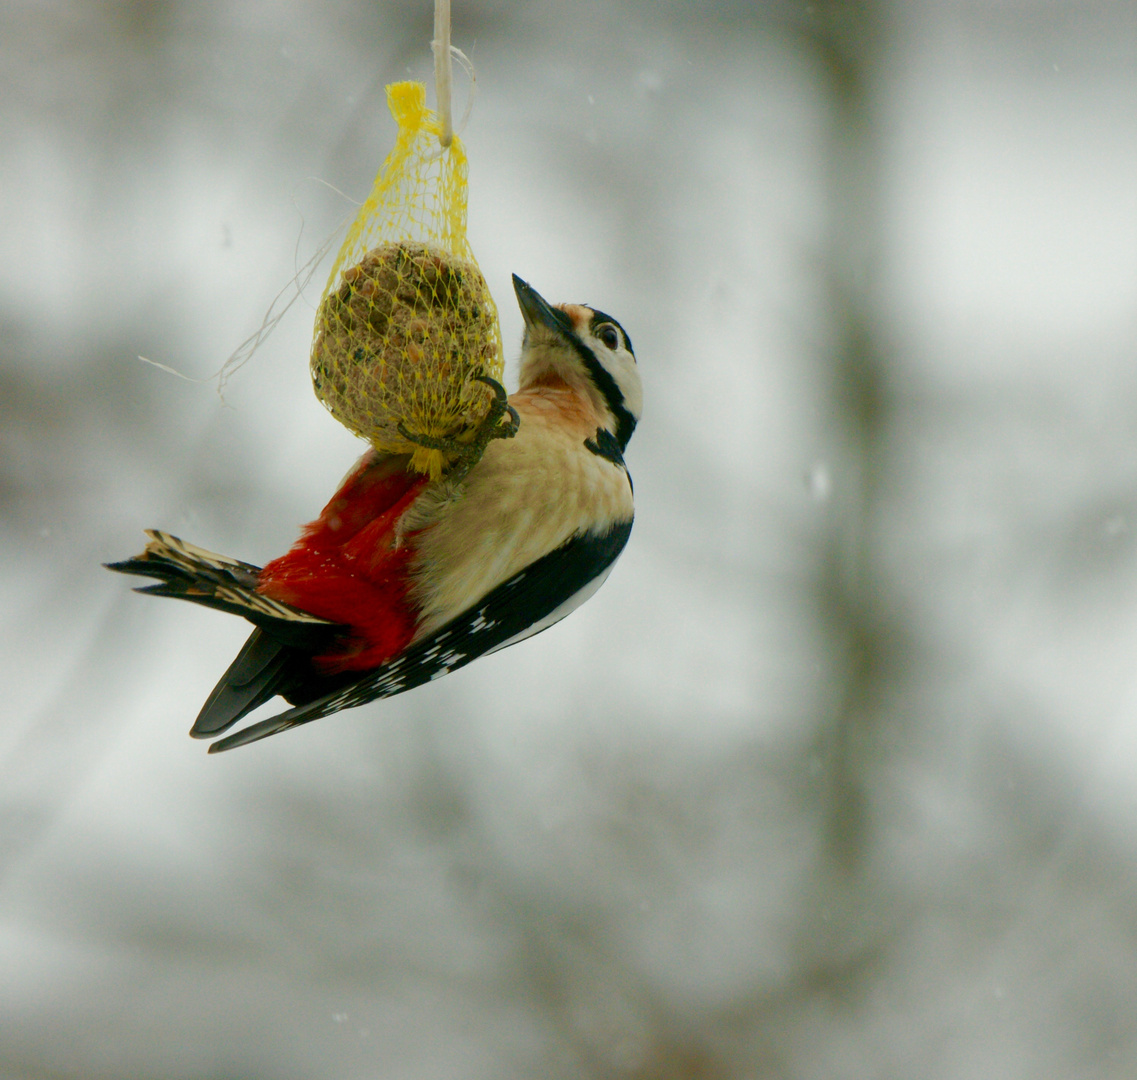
<point x="406" y="322"/>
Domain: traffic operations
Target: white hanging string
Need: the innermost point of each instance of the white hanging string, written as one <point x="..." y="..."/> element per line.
<point x="443" y="70"/>
<point x="444" y="55"/>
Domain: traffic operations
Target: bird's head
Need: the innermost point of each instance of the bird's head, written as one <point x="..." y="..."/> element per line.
<point x="585" y="350"/>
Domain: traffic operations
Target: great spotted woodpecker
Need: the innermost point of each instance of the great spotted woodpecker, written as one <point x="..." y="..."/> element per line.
<point x="401" y="580"/>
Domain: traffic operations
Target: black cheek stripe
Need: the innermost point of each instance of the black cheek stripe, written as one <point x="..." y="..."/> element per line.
<point x="609" y="391"/>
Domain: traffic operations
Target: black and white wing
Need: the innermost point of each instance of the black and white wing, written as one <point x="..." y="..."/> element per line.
<point x="531" y="601"/>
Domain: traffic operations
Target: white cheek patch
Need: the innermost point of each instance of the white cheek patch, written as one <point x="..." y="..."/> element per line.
<point x="627" y="378"/>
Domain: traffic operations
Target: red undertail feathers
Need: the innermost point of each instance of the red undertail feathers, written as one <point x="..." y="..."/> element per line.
<point x="347" y="568"/>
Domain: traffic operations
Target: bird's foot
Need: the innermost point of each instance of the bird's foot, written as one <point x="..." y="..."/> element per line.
<point x="490" y="428"/>
<point x="469" y="452"/>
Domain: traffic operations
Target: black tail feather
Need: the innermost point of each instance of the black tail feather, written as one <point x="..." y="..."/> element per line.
<point x="300" y="714"/>
<point x="256" y="675"/>
<point x="276" y="657"/>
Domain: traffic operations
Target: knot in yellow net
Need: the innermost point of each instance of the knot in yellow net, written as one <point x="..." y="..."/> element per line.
<point x="406" y="321"/>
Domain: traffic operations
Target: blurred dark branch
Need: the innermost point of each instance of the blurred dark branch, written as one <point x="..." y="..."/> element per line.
<point x="847" y="39"/>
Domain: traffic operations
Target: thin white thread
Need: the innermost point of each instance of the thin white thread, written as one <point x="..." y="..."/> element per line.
<point x="272" y="317"/>
<point x="468" y="67"/>
<point x="275" y="313"/>
<point x="444" y="53"/>
<point x="169" y="370"/>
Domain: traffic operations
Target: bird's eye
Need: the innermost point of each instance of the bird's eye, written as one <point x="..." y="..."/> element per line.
<point x="609" y="335"/>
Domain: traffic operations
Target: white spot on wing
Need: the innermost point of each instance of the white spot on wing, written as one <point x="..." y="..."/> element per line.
<point x="481" y="623"/>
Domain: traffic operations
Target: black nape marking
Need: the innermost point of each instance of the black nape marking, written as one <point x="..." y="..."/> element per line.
<point x="609" y="390"/>
<point x="606" y="446"/>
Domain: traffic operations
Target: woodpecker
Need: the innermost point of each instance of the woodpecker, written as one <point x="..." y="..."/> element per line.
<point x="401" y="579"/>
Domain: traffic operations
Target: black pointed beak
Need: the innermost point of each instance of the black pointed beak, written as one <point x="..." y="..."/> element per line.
<point x="537" y="312"/>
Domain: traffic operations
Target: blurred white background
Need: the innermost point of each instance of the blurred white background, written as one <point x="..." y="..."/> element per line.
<point x="835" y="778"/>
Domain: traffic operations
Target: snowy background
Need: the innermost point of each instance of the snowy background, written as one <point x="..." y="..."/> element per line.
<point x="836" y="778"/>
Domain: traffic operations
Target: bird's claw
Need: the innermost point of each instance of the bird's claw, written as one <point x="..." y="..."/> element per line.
<point x="468" y="453"/>
<point x="489" y="429"/>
